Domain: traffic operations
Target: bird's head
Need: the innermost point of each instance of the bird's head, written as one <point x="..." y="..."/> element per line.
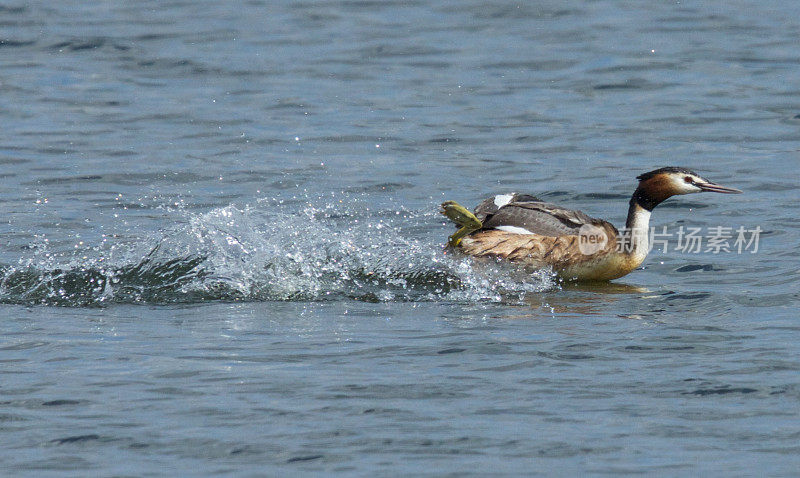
<point x="656" y="186"/>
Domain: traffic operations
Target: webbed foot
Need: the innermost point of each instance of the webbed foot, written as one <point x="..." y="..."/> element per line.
<point x="462" y="217"/>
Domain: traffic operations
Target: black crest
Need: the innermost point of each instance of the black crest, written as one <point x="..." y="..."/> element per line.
<point x="668" y="169"/>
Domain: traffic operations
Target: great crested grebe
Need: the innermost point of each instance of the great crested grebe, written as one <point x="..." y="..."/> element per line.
<point x="522" y="228"/>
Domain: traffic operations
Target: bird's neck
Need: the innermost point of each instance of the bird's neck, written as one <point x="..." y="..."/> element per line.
<point x="636" y="241"/>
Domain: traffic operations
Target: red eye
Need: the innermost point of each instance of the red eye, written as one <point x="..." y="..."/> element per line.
<point x="688" y="179"/>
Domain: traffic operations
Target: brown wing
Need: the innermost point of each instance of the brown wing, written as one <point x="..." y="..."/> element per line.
<point x="533" y="215"/>
<point x="488" y="207"/>
<point x="527" y="230"/>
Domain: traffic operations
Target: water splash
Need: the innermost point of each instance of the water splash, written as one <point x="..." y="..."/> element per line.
<point x="270" y="253"/>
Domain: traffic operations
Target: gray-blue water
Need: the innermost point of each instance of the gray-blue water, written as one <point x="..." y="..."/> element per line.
<point x="220" y="251"/>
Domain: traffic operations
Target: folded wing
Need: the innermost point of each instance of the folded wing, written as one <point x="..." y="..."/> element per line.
<point x="527" y="214"/>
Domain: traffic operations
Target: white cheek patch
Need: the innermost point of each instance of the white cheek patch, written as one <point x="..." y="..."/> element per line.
<point x="682" y="187"/>
<point x="502" y="199"/>
<point x="514" y="229"/>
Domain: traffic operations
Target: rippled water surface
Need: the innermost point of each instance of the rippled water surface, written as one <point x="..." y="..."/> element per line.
<point x="220" y="251"/>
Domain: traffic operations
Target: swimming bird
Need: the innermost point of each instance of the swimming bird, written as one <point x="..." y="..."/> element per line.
<point x="524" y="229"/>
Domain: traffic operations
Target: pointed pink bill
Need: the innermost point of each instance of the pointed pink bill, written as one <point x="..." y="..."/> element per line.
<point x="716" y="188"/>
